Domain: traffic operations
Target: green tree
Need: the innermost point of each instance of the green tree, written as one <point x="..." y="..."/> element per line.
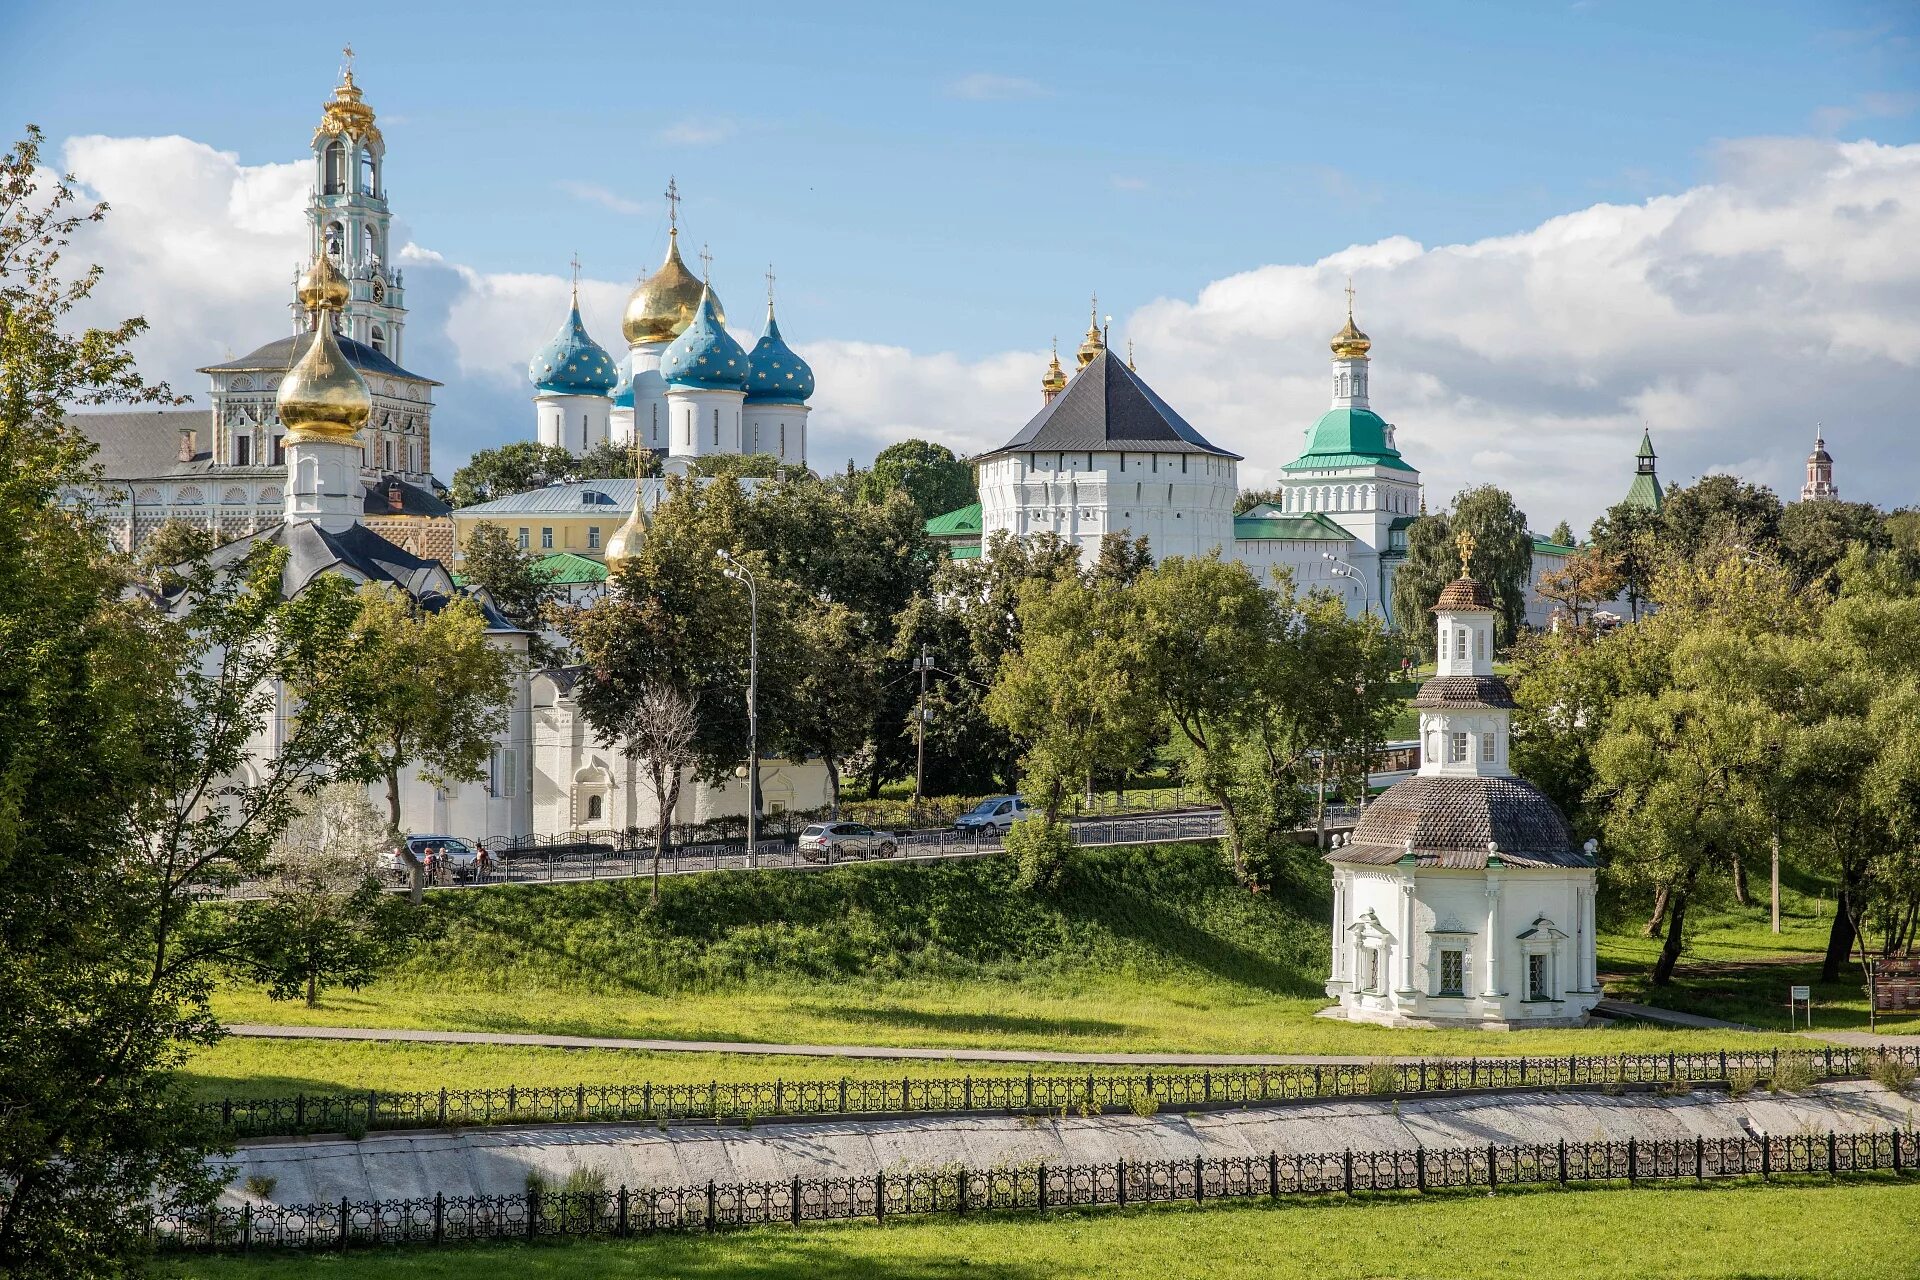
<point x="928" y="473"/>
<point x="513" y="580"/>
<point x="322" y="921"/>
<point x="740" y="466"/>
<point x="1815" y="536"/>
<point x="610" y="461"/>
<point x="1121" y="559"/>
<point x="511" y="468"/>
<point x="433" y="695"/>
<point x="1718" y="512"/>
<point x="1502" y="558"/>
<point x="1903" y="529"/>
<point x="1630" y="536"/>
<point x="1433" y="560"/>
<point x="1251" y="498"/>
<point x="175" y="545"/>
<point x="1588" y="579"/>
<point x="1563" y="535"/>
<point x="661" y="726"/>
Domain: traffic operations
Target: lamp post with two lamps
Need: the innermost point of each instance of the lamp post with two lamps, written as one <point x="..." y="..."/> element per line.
<point x="738" y="572"/>
<point x="1341" y="569"/>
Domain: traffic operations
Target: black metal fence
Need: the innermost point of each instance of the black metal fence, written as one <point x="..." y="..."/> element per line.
<point x="713" y="1206"/>
<point x="1086" y="1092"/>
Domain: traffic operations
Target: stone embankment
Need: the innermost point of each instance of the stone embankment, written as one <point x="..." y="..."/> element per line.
<point x="498" y="1161"/>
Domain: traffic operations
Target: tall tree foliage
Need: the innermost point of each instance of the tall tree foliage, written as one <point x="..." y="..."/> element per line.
<point x="928" y="473"/>
<point x="1719" y="513"/>
<point x="514" y="581"/>
<point x="527" y="464"/>
<point x="1629" y="535"/>
<point x="1502" y="558"/>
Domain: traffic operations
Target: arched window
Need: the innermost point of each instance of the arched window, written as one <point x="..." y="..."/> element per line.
<point x="379" y="336"/>
<point x="593" y="808"/>
<point x="369" y="245"/>
<point x="369" y="175"/>
<point x="336" y="239"/>
<point x="335" y="178"/>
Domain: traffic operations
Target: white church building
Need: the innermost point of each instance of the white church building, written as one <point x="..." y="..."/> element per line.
<point x="1459" y="898"/>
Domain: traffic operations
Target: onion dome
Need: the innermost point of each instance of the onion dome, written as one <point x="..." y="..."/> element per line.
<point x="1350" y="343"/>
<point x="1095" y="342"/>
<point x="663" y="304"/>
<point x="322" y="287"/>
<point x="623" y="389"/>
<point x="573" y="364"/>
<point x="705" y="354"/>
<point x="323" y="397"/>
<point x="624" y="546"/>
<point x="1054" y="381"/>
<point x="1464" y="823"/>
<point x="775" y="375"/>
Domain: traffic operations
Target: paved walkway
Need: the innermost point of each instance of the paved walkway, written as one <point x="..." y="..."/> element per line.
<point x="798" y="1050"/>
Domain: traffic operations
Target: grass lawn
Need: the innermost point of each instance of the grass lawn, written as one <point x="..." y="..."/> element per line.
<point x="1735" y="967"/>
<point x="1136" y="950"/>
<point x="1856" y="1231"/>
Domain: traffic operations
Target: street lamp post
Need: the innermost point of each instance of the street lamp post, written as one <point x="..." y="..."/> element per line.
<point x="1341" y="569"/>
<point x="738" y="572"/>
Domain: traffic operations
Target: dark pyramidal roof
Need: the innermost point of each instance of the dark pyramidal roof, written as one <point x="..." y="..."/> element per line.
<point x="1463" y="594"/>
<point x="1450" y="821"/>
<point x="279" y="355"/>
<point x="1108" y="407"/>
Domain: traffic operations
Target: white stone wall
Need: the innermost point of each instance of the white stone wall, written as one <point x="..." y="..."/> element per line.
<point x="778" y="429"/>
<point x="574" y="423"/>
<point x="702" y="422"/>
<point x="1181" y="503"/>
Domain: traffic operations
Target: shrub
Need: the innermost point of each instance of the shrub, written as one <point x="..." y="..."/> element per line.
<point x="1742" y="1081"/>
<point x="1143" y="1104"/>
<point x="1383" y="1076"/>
<point x="538" y="1184"/>
<point x="1891" y="1072"/>
<point x="260" y="1185"/>
<point x="585" y="1182"/>
<point x="1793" y="1074"/>
<point x="1041" y="849"/>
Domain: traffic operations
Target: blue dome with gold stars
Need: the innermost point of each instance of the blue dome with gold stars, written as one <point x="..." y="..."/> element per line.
<point x="775" y="375"/>
<point x="705" y="354"/>
<point x="573" y="364"/>
<point x="623" y="389"/>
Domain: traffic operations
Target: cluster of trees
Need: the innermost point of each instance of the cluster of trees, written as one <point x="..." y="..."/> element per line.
<point x="132" y="698"/>
<point x="1762" y="709"/>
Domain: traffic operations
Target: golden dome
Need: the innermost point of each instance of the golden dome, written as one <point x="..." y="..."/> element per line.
<point x="323" y="397"/>
<point x="1055" y="379"/>
<point x="1350" y="343"/>
<point x="1094" y="343"/>
<point x="322" y="286"/>
<point x="347" y="114"/>
<point x="625" y="544"/>
<point x="663" y="304"/>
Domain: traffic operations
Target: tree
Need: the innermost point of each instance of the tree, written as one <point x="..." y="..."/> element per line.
<point x="1903" y="529"/>
<point x="1815" y="536"/>
<point x="1248" y="499"/>
<point x="434" y="694"/>
<point x="511" y="468"/>
<point x="928" y="473"/>
<point x="1502" y="552"/>
<point x="739" y="466"/>
<point x="610" y="460"/>
<point x="176" y="543"/>
<point x="1718" y="512"/>
<point x="122" y="725"/>
<point x="1433" y="560"/>
<point x="1629" y="535"/>
<point x="1122" y="559"/>
<point x="321" y="922"/>
<point x="1563" y="535"/>
<point x="1589" y="578"/>
<point x="514" y="581"/>
<point x="839" y="689"/>
<point x="660" y="729"/>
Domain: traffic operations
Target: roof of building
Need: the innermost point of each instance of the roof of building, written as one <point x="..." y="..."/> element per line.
<point x="1451" y="822"/>
<point x="1107" y="406"/>
<point x="964" y="550"/>
<point x="705" y="355"/>
<point x="1258" y="526"/>
<point x="1548" y="547"/>
<point x="136" y="444"/>
<point x="582" y="497"/>
<point x="573" y="364"/>
<point x="279" y="355"/>
<point x="414" y="500"/>
<point x="775" y="375"/>
<point x="1348" y="438"/>
<point x="956" y="524"/>
<point x="1644" y="492"/>
<point x="1464" y="595"/>
<point x="1464" y="692"/>
<point x="565" y="569"/>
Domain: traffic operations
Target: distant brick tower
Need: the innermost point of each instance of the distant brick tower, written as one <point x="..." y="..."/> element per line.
<point x="1819" y="473"/>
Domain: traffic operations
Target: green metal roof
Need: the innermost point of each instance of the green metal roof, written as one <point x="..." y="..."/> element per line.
<point x="1545" y="547"/>
<point x="1348" y="438"/>
<point x="956" y="524"/>
<point x="1645" y="492"/>
<point x="964" y="550"/>
<point x="563" y="568"/>
<point x="1313" y="527"/>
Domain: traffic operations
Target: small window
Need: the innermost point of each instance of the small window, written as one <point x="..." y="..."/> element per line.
<point x="593" y="808"/>
<point x="279" y="451"/>
<point x="1456" y="748"/>
<point x="242" y="450"/>
<point x="1373" y="969"/>
<point x="389" y="455"/>
<point x="546" y="539"/>
<point x="1486" y="748"/>
<point x="522" y="540"/>
<point x="593" y="537"/>
<point x="716" y="428"/>
<point x="1537" y="988"/>
<point x="1479" y="643"/>
<point x="505" y="774"/>
<point x="1460" y="644"/>
<point x="1453" y="973"/>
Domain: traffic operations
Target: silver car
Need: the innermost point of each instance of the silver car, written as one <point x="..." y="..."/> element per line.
<point x="831" y="841"/>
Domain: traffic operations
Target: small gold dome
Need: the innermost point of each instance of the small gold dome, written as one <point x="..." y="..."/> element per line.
<point x="1350" y="343"/>
<point x="322" y="286"/>
<point x="663" y="304"/>
<point x="1055" y="379"/>
<point x="631" y="536"/>
<point x="323" y="397"/>
<point x="1094" y="343"/>
<point x="347" y="114"/>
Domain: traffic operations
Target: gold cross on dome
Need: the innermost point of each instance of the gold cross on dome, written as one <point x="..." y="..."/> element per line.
<point x="575" y="264"/>
<point x="673" y="203"/>
<point x="1465" y="543"/>
<point x="769" y="284"/>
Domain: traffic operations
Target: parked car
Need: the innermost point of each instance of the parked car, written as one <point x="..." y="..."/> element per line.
<point x="994" y="814"/>
<point x="828" y="841"/>
<point x="458" y="854"/>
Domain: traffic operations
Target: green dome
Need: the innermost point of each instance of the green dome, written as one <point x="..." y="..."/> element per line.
<point x="1348" y="438"/>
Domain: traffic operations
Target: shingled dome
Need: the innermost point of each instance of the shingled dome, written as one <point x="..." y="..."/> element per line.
<point x="1464" y="693"/>
<point x="1108" y="407"/>
<point x="1451" y="821"/>
<point x="1464" y="595"/>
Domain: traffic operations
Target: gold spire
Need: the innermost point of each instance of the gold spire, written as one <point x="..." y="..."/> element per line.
<point x="1054" y="381"/>
<point x="1130" y="368"/>
<point x="1093" y="344"/>
<point x="323" y="397"/>
<point x="624" y="546"/>
<point x="1350" y="343"/>
<point x="346" y="114"/>
<point x="1465" y="543"/>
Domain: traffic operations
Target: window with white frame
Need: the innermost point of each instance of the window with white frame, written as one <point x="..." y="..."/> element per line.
<point x="546" y="539"/>
<point x="1372" y="961"/>
<point x="1486" y="748"/>
<point x="504" y="771"/>
<point x="1539" y="985"/>
<point x="1456" y="748"/>
<point x="593" y="537"/>
<point x="1479" y="643"/>
<point x="521" y="540"/>
<point x="1460" y="644"/>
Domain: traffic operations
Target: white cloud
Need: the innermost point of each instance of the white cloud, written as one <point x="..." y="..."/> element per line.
<point x="988" y="86"/>
<point x="695" y="132"/>
<point x="1730" y="317"/>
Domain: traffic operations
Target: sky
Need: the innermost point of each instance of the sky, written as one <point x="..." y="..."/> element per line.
<point x="1561" y="221"/>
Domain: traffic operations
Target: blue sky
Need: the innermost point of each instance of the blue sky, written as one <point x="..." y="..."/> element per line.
<point x="954" y="180"/>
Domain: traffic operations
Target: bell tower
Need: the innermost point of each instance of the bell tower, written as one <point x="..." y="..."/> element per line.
<point x="348" y="219"/>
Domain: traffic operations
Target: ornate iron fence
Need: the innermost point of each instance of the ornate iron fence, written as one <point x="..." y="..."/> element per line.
<point x="715" y="1206"/>
<point x="1089" y="1092"/>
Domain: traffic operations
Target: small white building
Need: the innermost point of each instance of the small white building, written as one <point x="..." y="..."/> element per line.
<point x="1459" y="899"/>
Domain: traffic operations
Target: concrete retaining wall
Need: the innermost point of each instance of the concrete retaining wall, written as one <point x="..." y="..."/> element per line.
<point x="496" y="1161"/>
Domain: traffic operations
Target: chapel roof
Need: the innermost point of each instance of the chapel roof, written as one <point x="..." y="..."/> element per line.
<point x="1446" y="821"/>
<point x="279" y="356"/>
<point x="1464" y="692"/>
<point x="1108" y="407"/>
<point x="1464" y="595"/>
<point x="1343" y="438"/>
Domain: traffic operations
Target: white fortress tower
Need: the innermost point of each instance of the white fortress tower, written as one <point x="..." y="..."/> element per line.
<point x="573" y="379"/>
<point x="1459" y="899"/>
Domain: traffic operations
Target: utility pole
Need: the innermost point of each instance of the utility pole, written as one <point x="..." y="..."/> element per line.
<point x="920" y="727"/>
